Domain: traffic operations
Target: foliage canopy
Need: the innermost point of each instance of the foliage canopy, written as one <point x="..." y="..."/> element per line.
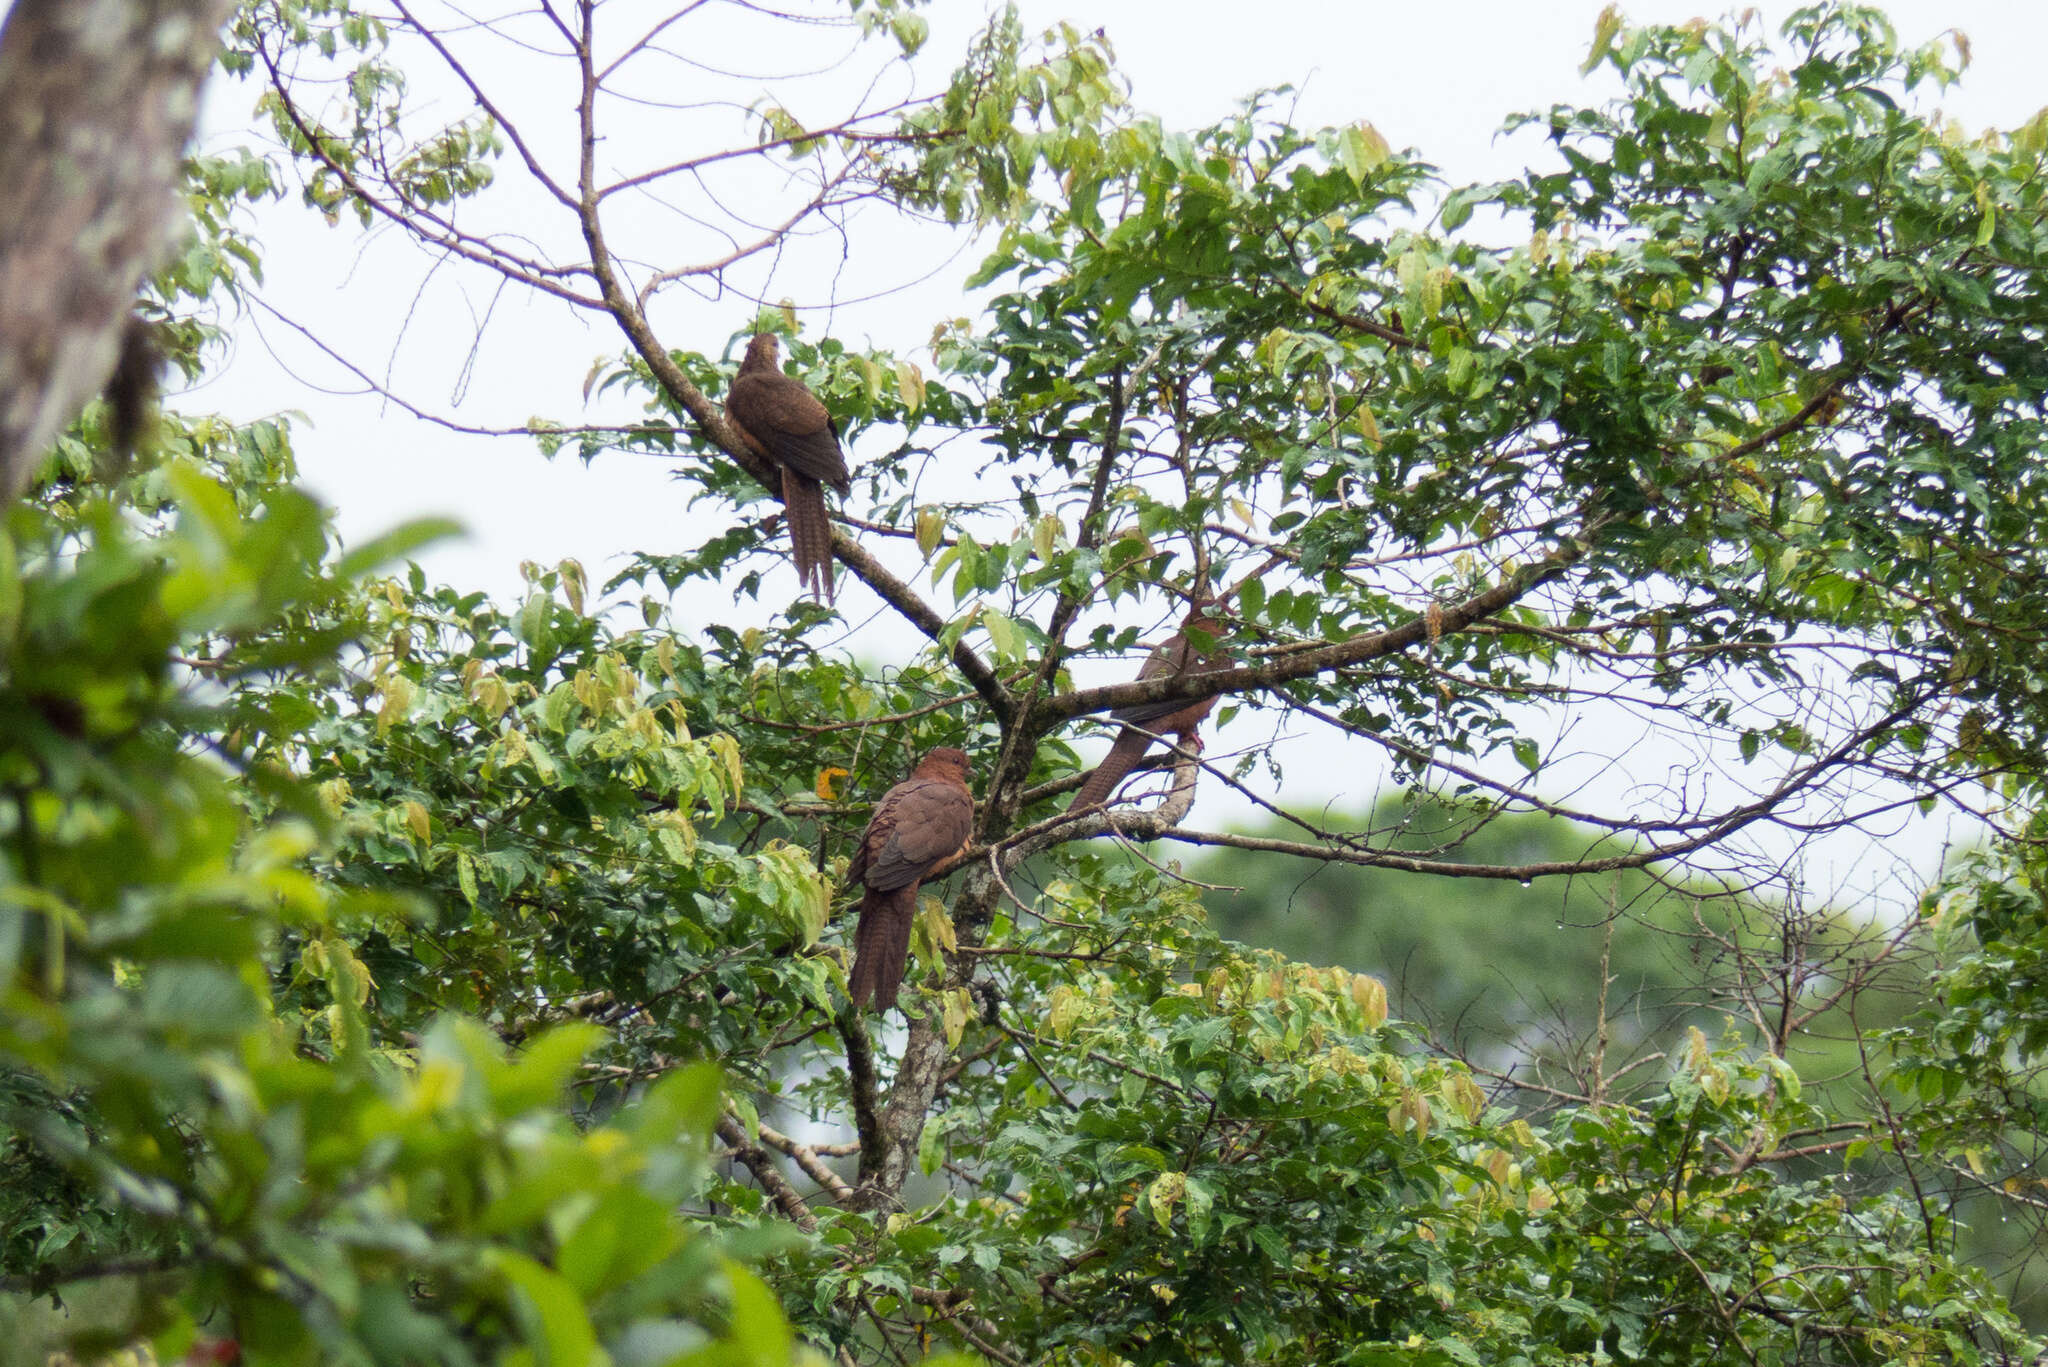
<point x="396" y="976"/>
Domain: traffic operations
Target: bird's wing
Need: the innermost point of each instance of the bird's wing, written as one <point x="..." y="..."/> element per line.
<point x="1173" y="656"/>
<point x="917" y="823"/>
<point x="788" y="422"/>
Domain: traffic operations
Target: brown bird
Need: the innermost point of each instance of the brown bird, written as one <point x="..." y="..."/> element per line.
<point x="917" y="823"/>
<point x="784" y="424"/>
<point x="1144" y="721"/>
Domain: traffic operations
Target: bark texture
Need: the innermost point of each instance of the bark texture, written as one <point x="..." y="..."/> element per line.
<point x="97" y="101"/>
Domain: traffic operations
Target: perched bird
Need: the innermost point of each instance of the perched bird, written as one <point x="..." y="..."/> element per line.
<point x="784" y="424"/>
<point x="917" y="823"/>
<point x="1143" y="721"/>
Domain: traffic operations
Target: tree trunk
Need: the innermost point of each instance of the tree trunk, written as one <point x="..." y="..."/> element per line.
<point x="96" y="103"/>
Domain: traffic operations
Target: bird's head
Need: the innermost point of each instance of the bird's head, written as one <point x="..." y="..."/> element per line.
<point x="943" y="762"/>
<point x="763" y="353"/>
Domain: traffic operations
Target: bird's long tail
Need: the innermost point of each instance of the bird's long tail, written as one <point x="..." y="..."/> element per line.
<point x="881" y="946"/>
<point x="1131" y="745"/>
<point x="810" y="532"/>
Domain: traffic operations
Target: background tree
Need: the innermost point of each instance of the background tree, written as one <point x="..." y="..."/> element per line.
<point x="1734" y="437"/>
<point x="1566" y="989"/>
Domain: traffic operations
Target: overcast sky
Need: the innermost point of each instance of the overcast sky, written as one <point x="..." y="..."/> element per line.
<point x="1439" y="78"/>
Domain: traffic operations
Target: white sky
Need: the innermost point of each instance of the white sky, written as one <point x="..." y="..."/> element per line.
<point x="1439" y="78"/>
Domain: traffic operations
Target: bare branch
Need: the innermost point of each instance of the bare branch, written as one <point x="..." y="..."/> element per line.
<point x="810" y="1160"/>
<point x="485" y="103"/>
<point x="1301" y="664"/>
<point x="761" y="1163"/>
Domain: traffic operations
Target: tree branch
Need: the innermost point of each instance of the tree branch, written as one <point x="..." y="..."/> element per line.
<point x="809" y="1159"/>
<point x="710" y="418"/>
<point x="762" y="1164"/>
<point x="1280" y="669"/>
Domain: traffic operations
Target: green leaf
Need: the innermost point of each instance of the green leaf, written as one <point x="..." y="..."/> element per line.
<point x="1361" y="150"/>
<point x="1201" y="1203"/>
<point x="623" y="1235"/>
<point x="11" y="592"/>
<point x="538" y="1076"/>
<point x="551" y="1304"/>
<point x="760" y="1334"/>
<point x="401" y="541"/>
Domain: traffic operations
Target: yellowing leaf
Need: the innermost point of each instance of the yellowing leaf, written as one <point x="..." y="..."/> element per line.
<point x="1003" y="633"/>
<point x="931" y="527"/>
<point x="1163" y="1194"/>
<point x="1361" y="150"/>
<point x="910" y="385"/>
<point x="937" y="925"/>
<point x="416" y="818"/>
<point x="1432" y="293"/>
<point x="1275" y="347"/>
<point x="398" y="695"/>
<point x="1368" y="425"/>
<point x="1371" y="996"/>
<point x="483" y="687"/>
<point x="728" y="750"/>
<point x="1411" y="1109"/>
<point x="958" y="1010"/>
<point x="573" y="584"/>
<point x="779" y="125"/>
<point x="514" y="746"/>
<point x="334" y="795"/>
<point x="2032" y="137"/>
<point x="1412" y="269"/>
<point x="1697" y="1054"/>
<point x="354" y="981"/>
<point x="1065" y="1006"/>
<point x="1464" y="1096"/>
<point x="1699" y="1060"/>
<point x="1045" y="536"/>
<point x="1786" y="1074"/>
<point x="831" y="780"/>
<point x="1604" y="30"/>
